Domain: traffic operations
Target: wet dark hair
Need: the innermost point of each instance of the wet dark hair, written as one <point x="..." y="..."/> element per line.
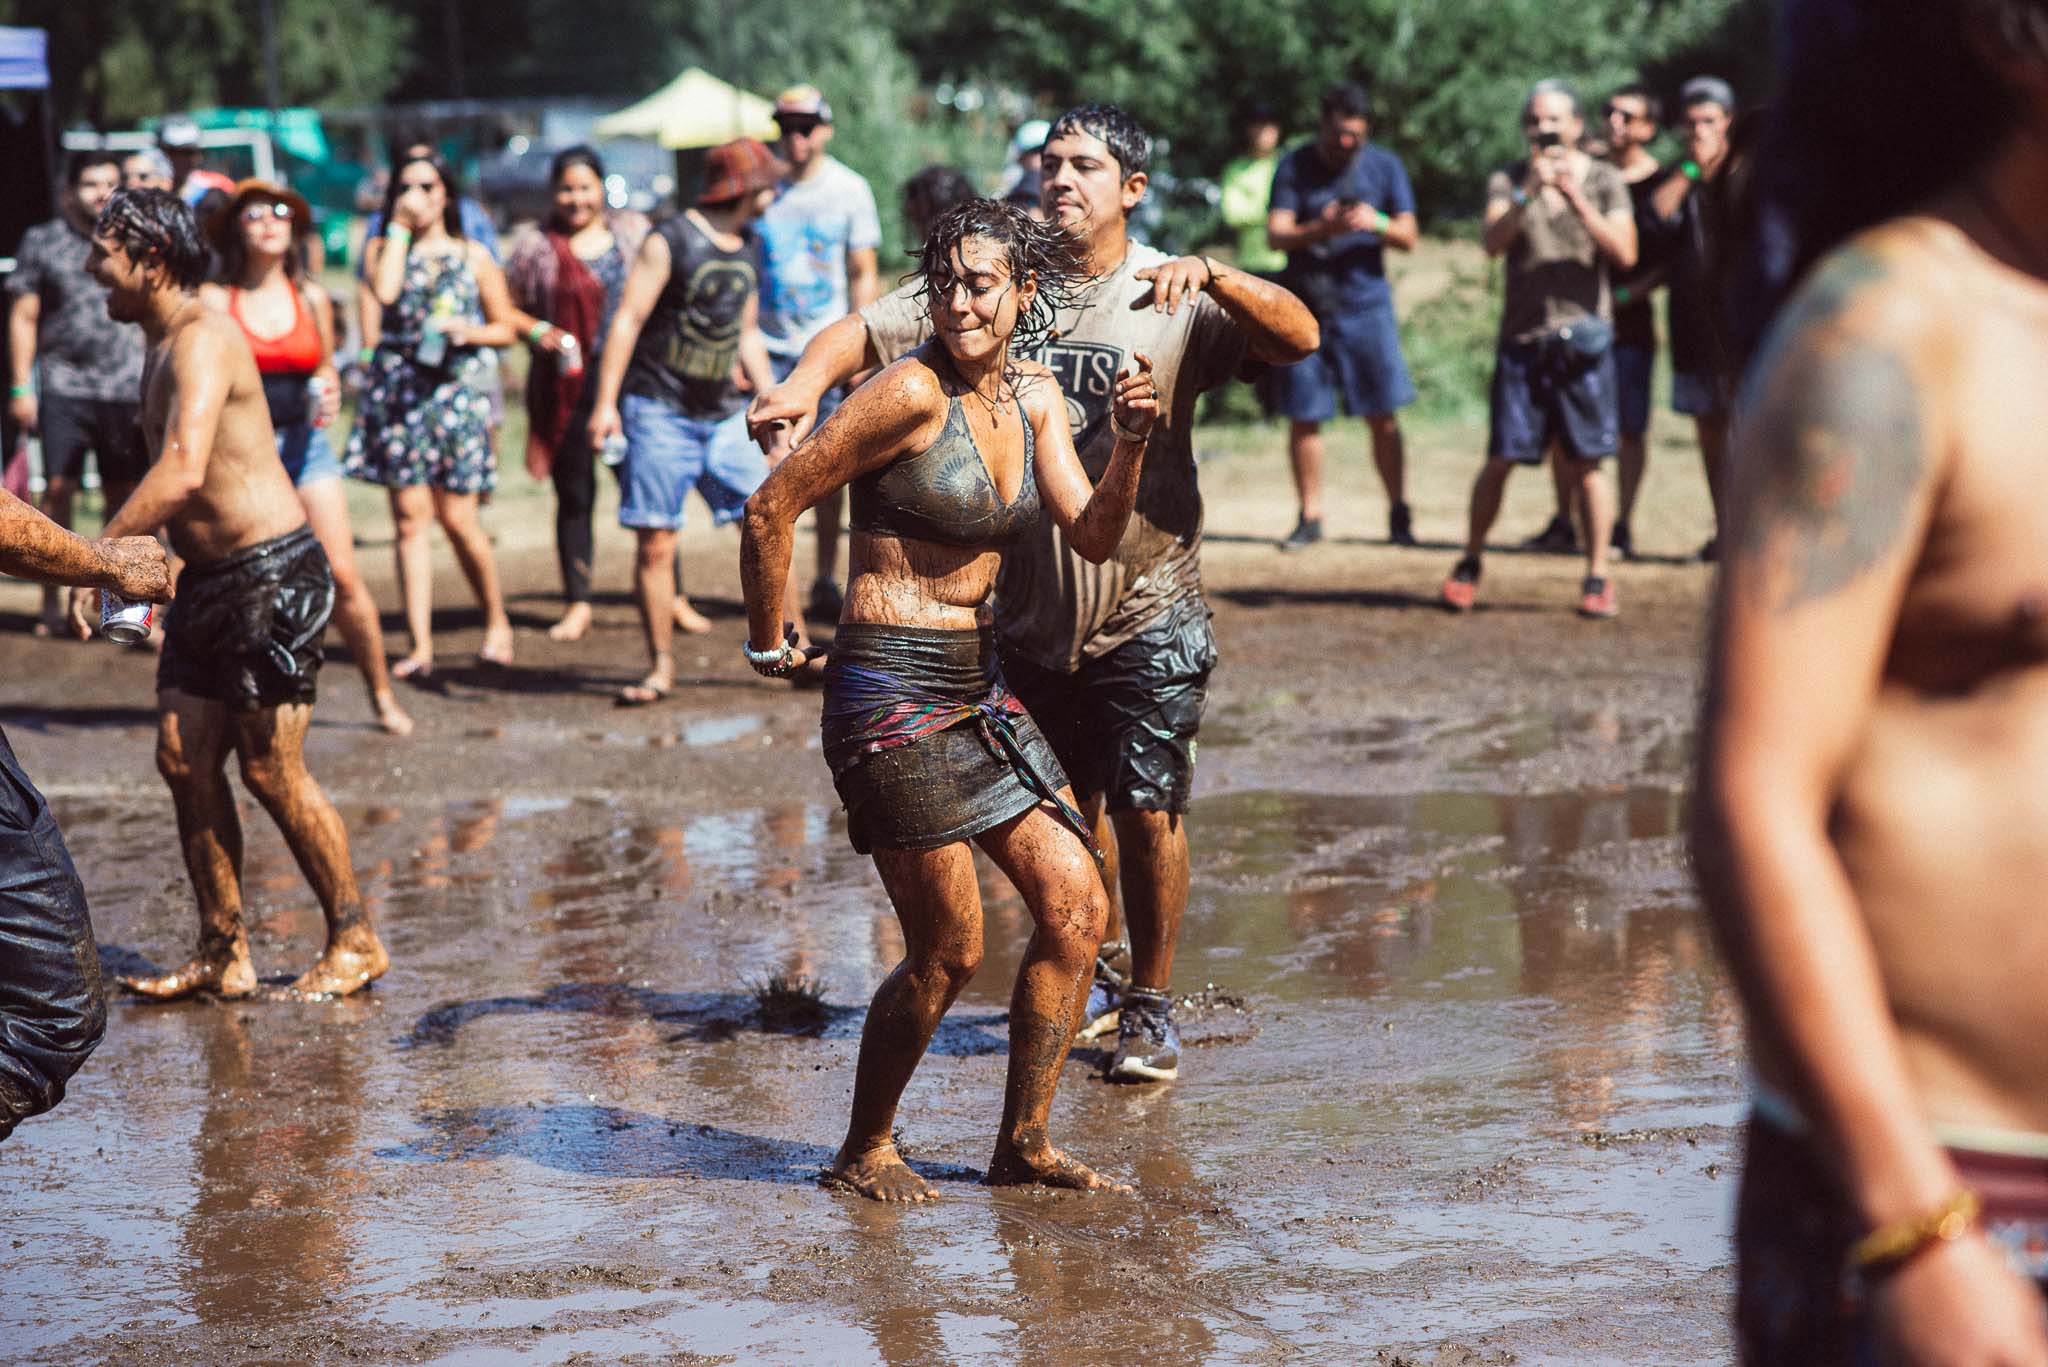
<point x="155" y="227"/>
<point x="1880" y="105"/>
<point x="582" y="154"/>
<point x="81" y="162"/>
<point x="1123" y="135"/>
<point x="1636" y="90"/>
<point x="451" y="212"/>
<point x="1349" y="100"/>
<point x="1035" y="250"/>
<point x="934" y="190"/>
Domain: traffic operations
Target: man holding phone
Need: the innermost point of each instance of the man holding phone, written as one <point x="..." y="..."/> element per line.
<point x="1563" y="221"/>
<point x="1338" y="203"/>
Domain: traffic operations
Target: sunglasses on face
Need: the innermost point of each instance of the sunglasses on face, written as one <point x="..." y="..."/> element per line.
<point x="799" y="128"/>
<point x="257" y="213"/>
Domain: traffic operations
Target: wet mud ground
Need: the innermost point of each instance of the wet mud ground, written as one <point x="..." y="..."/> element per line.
<point x="1463" y="1082"/>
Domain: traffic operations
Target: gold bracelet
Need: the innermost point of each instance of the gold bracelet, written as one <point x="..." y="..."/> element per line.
<point x="1888" y="1246"/>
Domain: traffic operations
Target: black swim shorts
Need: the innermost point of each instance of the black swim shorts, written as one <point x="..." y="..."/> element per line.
<point x="246" y="629"/>
<point x="1124" y="723"/>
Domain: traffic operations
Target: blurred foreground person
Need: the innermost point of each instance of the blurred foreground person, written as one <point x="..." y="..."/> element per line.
<point x="242" y="644"/>
<point x="52" y="1011"/>
<point x="1870" y="834"/>
<point x="928" y="749"/>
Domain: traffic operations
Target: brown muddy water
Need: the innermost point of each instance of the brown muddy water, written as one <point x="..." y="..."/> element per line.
<point x="1462" y="1083"/>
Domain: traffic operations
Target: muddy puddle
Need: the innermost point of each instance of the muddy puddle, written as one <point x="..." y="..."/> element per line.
<point x="1461" y="1073"/>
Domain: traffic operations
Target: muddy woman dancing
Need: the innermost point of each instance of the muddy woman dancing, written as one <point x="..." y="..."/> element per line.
<point x="953" y="453"/>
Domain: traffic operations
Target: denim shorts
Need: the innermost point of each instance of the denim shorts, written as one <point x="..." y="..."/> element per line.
<point x="307" y="454"/>
<point x="1541" y="394"/>
<point x="1701" y="394"/>
<point x="1360" y="359"/>
<point x="1633" y="363"/>
<point x="668" y="454"/>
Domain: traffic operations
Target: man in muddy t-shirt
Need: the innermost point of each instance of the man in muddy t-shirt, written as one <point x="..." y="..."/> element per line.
<point x="1113" y="659"/>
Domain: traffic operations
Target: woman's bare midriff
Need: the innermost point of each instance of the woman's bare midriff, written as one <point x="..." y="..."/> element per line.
<point x="904" y="582"/>
<point x="1942" y="826"/>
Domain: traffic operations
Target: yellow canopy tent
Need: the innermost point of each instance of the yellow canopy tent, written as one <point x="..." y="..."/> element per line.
<point x="696" y="109"/>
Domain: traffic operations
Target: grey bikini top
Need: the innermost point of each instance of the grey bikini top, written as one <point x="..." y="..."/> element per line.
<point x="944" y="493"/>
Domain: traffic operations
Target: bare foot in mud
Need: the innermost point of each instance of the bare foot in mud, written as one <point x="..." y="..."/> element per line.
<point x="880" y="1174"/>
<point x="351" y="963"/>
<point x="390" y="716"/>
<point x="688" y="619"/>
<point x="226" y="975"/>
<point x="575" y="622"/>
<point x="497" y="646"/>
<point x="1046" y="1166"/>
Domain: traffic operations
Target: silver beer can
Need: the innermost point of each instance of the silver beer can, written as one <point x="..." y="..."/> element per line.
<point x="124" y="622"/>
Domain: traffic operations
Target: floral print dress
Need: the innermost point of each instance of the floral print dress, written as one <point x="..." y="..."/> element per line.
<point x="419" y="424"/>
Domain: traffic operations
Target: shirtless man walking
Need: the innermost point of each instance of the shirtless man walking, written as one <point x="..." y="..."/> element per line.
<point x="1111" y="660"/>
<point x="1871" y="836"/>
<point x="242" y="644"/>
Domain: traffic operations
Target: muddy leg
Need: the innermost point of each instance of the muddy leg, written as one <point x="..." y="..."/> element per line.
<point x="938" y="903"/>
<point x="1155" y="891"/>
<point x="272" y="748"/>
<point x="1057" y="877"/>
<point x="193" y="735"/>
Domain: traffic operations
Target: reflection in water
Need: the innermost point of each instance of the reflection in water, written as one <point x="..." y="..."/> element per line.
<point x="1440" y="981"/>
<point x="268" y="1238"/>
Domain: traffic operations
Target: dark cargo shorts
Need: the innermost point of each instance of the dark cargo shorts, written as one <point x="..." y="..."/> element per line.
<point x="1124" y="723"/>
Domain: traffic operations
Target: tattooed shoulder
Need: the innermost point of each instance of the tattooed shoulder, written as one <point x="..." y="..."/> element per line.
<point x="1834" y="441"/>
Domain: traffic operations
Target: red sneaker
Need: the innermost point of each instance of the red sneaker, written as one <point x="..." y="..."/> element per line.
<point x="1596" y="599"/>
<point x="1462" y="587"/>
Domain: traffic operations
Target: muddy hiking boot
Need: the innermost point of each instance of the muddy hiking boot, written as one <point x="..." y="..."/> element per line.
<point x="1106" y="991"/>
<point x="1148" y="1042"/>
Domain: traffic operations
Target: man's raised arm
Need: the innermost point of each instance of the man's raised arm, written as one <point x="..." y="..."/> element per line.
<point x="783" y="414"/>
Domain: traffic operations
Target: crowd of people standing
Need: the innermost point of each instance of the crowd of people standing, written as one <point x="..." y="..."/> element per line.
<point x="1023" y="648"/>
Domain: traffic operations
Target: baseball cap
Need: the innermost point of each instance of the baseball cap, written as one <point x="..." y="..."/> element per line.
<point x="803" y="102"/>
<point x="1707" y="89"/>
<point x="737" y="168"/>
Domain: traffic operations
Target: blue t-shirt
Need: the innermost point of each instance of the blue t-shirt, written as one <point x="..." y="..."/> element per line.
<point x="1350" y="270"/>
<point x="805" y="236"/>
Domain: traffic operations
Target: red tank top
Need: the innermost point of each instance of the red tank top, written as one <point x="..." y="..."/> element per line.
<point x="297" y="352"/>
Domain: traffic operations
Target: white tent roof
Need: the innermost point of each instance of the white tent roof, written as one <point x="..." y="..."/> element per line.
<point x="696" y="109"/>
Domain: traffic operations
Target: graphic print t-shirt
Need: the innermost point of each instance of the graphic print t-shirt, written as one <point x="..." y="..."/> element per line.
<point x="1053" y="607"/>
<point x="686" y="351"/>
<point x="805" y="236"/>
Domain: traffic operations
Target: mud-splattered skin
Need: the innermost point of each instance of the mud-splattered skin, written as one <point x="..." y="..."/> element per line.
<point x="1870" y="836"/>
<point x="216" y="484"/>
<point x="907" y="581"/>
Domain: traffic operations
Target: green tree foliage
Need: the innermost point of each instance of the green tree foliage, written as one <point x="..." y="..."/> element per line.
<point x="1448" y="76"/>
<point x="118" y="62"/>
